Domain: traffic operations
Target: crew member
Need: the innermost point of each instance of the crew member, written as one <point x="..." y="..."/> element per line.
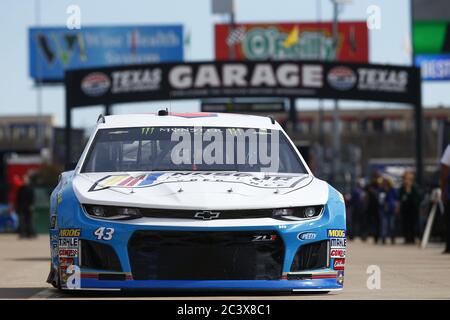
<point x="24" y="207"/>
<point x="445" y="194"/>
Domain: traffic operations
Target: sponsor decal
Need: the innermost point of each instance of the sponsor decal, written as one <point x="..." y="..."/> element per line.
<point x="385" y="80"/>
<point x="341" y="78"/>
<point x="54" y="251"/>
<point x="136" y="80"/>
<point x="68" y="242"/>
<point x="53" y="222"/>
<point x="69" y="232"/>
<point x="64" y="263"/>
<point x="307" y="236"/>
<point x="207" y="215"/>
<point x="338" y="243"/>
<point x="95" y="84"/>
<point x="339" y="264"/>
<point x="336" y="233"/>
<point x="154" y="179"/>
<point x="265" y="237"/>
<point x="59" y="198"/>
<point x="337" y="253"/>
<point x="68" y="253"/>
<point x="103" y="233"/>
<point x="340" y="278"/>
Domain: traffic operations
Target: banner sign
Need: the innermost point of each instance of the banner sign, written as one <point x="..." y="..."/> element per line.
<point x="434" y="66"/>
<point x="215" y="79"/>
<point x="54" y="50"/>
<point x="431" y="37"/>
<point x="292" y="41"/>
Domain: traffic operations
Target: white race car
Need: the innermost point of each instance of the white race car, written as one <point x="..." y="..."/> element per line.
<point x="195" y="201"/>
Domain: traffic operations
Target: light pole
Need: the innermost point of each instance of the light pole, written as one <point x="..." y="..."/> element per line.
<point x="336" y="120"/>
<point x="336" y="123"/>
<point x="226" y="7"/>
<point x="40" y="124"/>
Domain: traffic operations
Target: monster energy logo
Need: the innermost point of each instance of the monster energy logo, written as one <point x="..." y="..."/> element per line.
<point x="267" y="43"/>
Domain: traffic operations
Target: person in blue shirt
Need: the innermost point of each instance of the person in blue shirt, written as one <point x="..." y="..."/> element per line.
<point x="358" y="211"/>
<point x="387" y="198"/>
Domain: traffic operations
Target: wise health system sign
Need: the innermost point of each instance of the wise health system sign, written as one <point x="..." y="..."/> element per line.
<point x="52" y="50"/>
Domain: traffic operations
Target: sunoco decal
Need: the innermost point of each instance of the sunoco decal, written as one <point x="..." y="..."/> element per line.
<point x="153" y="179"/>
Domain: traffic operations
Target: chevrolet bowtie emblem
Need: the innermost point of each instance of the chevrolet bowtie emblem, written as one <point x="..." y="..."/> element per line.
<point x="207" y="215"/>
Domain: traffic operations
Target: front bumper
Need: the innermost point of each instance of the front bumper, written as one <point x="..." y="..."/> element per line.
<point x="272" y="267"/>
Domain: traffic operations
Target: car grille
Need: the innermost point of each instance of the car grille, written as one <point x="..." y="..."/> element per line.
<point x="206" y="255"/>
<point x="96" y="255"/>
<point x="206" y="215"/>
<point x="311" y="256"/>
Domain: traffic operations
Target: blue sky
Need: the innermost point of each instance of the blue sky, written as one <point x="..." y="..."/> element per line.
<point x="18" y="95"/>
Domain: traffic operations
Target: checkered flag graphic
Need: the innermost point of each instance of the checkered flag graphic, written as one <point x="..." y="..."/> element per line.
<point x="236" y="36"/>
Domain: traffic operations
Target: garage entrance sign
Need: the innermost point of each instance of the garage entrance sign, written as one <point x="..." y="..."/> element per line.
<point x="136" y="83"/>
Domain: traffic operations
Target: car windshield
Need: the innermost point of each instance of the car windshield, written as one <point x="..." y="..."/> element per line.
<point x="191" y="149"/>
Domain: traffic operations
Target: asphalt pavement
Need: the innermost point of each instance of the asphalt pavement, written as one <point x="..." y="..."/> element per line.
<point x="392" y="272"/>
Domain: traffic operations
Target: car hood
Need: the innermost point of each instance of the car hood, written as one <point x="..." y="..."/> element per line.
<point x="200" y="190"/>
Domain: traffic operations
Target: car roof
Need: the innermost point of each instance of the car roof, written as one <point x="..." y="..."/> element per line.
<point x="205" y="119"/>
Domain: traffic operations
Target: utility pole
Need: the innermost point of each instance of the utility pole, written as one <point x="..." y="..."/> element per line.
<point x="40" y="123"/>
<point x="231" y="46"/>
<point x="336" y="121"/>
<point x="337" y="168"/>
<point x="418" y="110"/>
<point x="227" y="7"/>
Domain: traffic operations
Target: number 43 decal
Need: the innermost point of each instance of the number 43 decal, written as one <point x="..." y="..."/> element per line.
<point x="103" y="233"/>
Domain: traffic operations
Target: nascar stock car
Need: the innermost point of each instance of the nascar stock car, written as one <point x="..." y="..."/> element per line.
<point x="195" y="201"/>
